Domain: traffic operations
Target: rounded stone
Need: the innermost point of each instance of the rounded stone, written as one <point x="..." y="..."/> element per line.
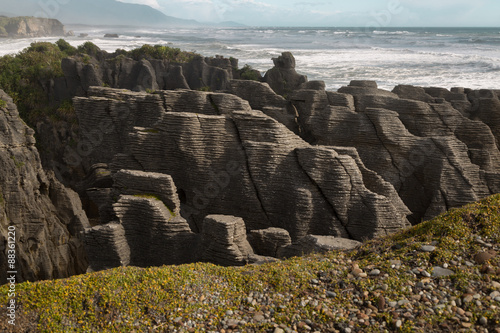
<point x="483" y="257"/>
<point x="428" y="248"/>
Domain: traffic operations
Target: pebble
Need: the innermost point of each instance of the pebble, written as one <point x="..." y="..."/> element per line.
<point x="428" y="248"/>
<point x="468" y="298"/>
<point x="357" y="272"/>
<point x="381" y="303"/>
<point x="399" y="323"/>
<point x="469" y="264"/>
<point x="258" y="317"/>
<point x="483" y="321"/>
<point x="233" y="323"/>
<point x="395" y="262"/>
<point x="331" y="294"/>
<point x="374" y="272"/>
<point x="483" y="257"/>
<point x="440" y="272"/>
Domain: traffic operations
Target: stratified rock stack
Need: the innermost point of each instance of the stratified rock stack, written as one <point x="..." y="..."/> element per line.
<point x="47" y="217"/>
<point x="231" y="160"/>
<point x="315" y="171"/>
<point x="283" y="78"/>
<point x="434" y="156"/>
<point x="142" y="75"/>
<point x="155" y="235"/>
<point x="225" y="240"/>
<point x="270" y="241"/>
<point x="144" y="228"/>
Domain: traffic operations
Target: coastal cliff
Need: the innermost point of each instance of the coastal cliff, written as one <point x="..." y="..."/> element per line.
<point x="176" y="159"/>
<point x="29" y="27"/>
<point x="47" y="217"/>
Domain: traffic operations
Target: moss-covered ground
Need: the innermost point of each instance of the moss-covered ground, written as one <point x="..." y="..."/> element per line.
<point x="318" y="292"/>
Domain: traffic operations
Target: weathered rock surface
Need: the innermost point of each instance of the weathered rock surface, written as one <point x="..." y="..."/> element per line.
<point x="142" y="75"/>
<point x="107" y="246"/>
<point x="48" y="218"/>
<point x="435" y="157"/>
<point x="283" y="78"/>
<point x="225" y="240"/>
<point x="342" y="166"/>
<point x="147" y="229"/>
<point x="29" y="27"/>
<point x="240" y="162"/>
<point x="261" y="97"/>
<point x="316" y="244"/>
<point x="154" y="234"/>
<point x="267" y="242"/>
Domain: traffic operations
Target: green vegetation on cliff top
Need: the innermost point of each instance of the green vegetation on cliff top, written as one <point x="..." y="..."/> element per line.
<point x="27" y="76"/>
<point x="5" y="21"/>
<point x="158" y="52"/>
<point x="317" y="291"/>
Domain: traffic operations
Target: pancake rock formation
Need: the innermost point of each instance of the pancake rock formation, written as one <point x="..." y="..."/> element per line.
<point x="43" y="219"/>
<point x="246" y="173"/>
<point x="227" y="159"/>
<point x="437" y="153"/>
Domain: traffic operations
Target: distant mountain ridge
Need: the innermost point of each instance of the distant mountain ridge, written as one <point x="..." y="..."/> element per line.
<point x="92" y="12"/>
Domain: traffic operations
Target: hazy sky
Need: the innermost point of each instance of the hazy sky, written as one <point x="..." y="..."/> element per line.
<point x="360" y="13"/>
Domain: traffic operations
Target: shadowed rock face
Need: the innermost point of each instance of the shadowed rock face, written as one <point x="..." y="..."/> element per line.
<point x="47" y="217"/>
<point x="228" y="159"/>
<point x="180" y="175"/>
<point x="434" y="156"/>
<point x="283" y="78"/>
<point x="126" y="73"/>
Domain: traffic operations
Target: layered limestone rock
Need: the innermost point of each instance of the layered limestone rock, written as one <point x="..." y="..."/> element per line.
<point x="147" y="229"/>
<point x="244" y="163"/>
<point x="434" y="156"/>
<point x="108" y="117"/>
<point x="261" y="97"/>
<point x="47" y="217"/>
<point x="268" y="242"/>
<point x="486" y="108"/>
<point x="225" y="240"/>
<point x="155" y="235"/>
<point x="140" y="223"/>
<point x="377" y="157"/>
<point x="107" y="247"/>
<point x="283" y="78"/>
<point x="141" y="75"/>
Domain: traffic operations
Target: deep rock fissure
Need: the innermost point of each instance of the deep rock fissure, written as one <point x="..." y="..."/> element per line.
<point x="247" y="164"/>
<point x="323" y="195"/>
<point x="401" y="180"/>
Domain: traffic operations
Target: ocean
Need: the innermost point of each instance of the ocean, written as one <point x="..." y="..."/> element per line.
<point x="441" y="57"/>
